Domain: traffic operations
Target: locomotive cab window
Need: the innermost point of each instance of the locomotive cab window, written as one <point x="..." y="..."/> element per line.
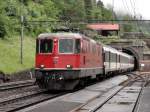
<point x="46" y="46"/>
<point x="66" y="46"/>
<point x="77" y="46"/>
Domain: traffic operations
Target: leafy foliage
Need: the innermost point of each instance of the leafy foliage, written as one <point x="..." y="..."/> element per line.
<point x="46" y="10"/>
<point x="41" y="16"/>
<point x="2" y="28"/>
<point x="10" y="58"/>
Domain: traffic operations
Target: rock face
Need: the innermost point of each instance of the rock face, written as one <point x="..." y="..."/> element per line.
<point x="19" y="76"/>
<point x="22" y="75"/>
<point x="3" y="77"/>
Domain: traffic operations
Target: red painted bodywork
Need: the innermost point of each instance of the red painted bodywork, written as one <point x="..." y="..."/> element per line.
<point x="62" y="71"/>
<point x="51" y="61"/>
<point x="85" y="59"/>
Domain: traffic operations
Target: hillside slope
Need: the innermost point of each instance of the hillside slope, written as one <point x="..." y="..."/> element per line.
<point x="10" y="54"/>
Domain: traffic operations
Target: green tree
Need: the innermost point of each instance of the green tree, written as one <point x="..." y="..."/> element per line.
<point x="3" y="20"/>
<point x="2" y="28"/>
<point x="127" y="27"/>
<point x="70" y="10"/>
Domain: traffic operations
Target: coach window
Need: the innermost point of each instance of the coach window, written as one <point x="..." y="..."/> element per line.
<point x="66" y="46"/>
<point x="92" y="48"/>
<point x="83" y="48"/>
<point x="107" y="56"/>
<point x="97" y="50"/>
<point x="88" y="47"/>
<point x="113" y="57"/>
<point x="46" y="46"/>
<point x="77" y="46"/>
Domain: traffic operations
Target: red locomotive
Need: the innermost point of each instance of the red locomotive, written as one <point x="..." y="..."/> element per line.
<point x="64" y="60"/>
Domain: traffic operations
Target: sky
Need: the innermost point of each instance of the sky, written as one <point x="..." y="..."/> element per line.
<point x="142" y="7"/>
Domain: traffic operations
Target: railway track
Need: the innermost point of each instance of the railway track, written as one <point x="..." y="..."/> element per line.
<point x="15" y="85"/>
<point x="18" y="95"/>
<point x="144" y="80"/>
<point x="27" y="99"/>
<point x="20" y="101"/>
<point x="14" y="95"/>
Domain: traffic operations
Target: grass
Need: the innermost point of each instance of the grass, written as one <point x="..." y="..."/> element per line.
<point x="10" y="54"/>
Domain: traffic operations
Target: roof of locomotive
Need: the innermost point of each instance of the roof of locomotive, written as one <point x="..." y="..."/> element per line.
<point x="59" y="35"/>
<point x="65" y="35"/>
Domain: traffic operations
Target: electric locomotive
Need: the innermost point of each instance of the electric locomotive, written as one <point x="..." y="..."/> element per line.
<point x="65" y="60"/>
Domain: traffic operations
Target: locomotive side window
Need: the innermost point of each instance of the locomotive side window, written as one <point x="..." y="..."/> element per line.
<point x="77" y="46"/>
<point x="66" y="45"/>
<point x="46" y="46"/>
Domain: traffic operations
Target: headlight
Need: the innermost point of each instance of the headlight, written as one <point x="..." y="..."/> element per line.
<point x="61" y="78"/>
<point x="68" y="66"/>
<point x="42" y="66"/>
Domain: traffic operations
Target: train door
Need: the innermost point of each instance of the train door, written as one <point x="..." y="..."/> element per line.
<point x="121" y="63"/>
<point x="107" y="61"/>
<point x="110" y="58"/>
<point x="103" y="60"/>
<point x="116" y="61"/>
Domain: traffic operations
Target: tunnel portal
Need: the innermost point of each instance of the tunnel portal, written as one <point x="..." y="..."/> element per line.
<point x="131" y="51"/>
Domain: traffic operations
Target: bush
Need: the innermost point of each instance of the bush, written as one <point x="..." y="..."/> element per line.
<point x="2" y="29"/>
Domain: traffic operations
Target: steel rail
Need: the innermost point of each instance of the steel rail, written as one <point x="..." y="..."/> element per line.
<point x="125" y="85"/>
<point x="23" y="97"/>
<point x="128" y="82"/>
<point x="135" y="109"/>
<point x="15" y="85"/>
<point x="36" y="102"/>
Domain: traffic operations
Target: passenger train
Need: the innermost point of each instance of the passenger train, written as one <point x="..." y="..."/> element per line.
<point x="65" y="60"/>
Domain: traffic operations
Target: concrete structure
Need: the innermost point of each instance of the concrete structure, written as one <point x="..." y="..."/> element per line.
<point x="104" y="29"/>
<point x="137" y="48"/>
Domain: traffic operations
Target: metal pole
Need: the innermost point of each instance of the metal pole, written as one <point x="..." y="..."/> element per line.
<point x="101" y="8"/>
<point x="21" y="40"/>
<point x="113" y="3"/>
<point x="22" y="33"/>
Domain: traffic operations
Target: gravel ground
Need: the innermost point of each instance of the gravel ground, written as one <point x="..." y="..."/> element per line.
<point x="8" y="93"/>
